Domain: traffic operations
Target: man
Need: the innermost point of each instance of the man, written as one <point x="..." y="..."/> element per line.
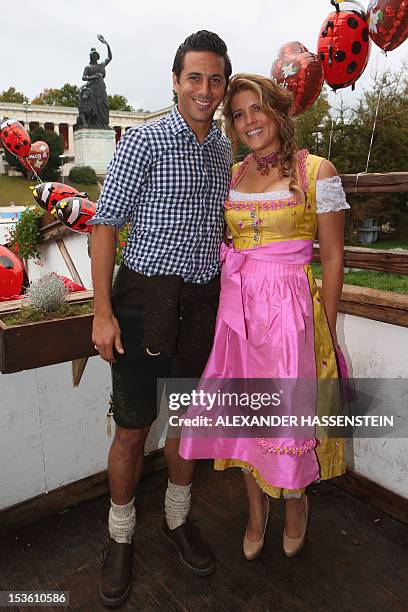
<point x="170" y="178"/>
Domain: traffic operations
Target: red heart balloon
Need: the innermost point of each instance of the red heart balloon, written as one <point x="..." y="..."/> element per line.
<point x="388" y="22"/>
<point x="299" y="71"/>
<point x="37" y="158"/>
<point x="15" y="138"/>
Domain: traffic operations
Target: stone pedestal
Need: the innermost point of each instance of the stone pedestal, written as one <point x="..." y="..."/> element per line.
<point x="94" y="148"/>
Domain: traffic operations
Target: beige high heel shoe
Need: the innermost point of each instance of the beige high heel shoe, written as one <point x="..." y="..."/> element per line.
<point x="292" y="546"/>
<point x="253" y="549"/>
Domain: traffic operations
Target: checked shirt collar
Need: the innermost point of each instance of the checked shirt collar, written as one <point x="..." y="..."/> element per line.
<point x="178" y="125"/>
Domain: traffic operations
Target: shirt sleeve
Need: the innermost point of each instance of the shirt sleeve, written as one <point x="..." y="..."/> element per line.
<point x="126" y="173"/>
<point x="330" y="196"/>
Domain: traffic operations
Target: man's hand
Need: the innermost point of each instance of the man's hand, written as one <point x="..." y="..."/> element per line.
<point x="106" y="336"/>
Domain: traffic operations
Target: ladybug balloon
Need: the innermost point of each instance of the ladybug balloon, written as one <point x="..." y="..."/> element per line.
<point x="299" y="71"/>
<point x="11" y="275"/>
<point x="47" y="195"/>
<point x="38" y="157"/>
<point x="74" y="213"/>
<point x="15" y="138"/>
<point x="344" y="44"/>
<point x="388" y="22"/>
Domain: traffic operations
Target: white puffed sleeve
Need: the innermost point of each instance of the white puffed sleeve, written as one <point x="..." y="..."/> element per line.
<point x="330" y="195"/>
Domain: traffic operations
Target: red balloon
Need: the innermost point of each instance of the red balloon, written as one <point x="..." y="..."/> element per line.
<point x="47" y="195"/>
<point x="37" y="158"/>
<point x="299" y="71"/>
<point x="344" y="44"/>
<point x="74" y="213"/>
<point x="388" y="22"/>
<point x="11" y="275"/>
<point x="15" y="138"/>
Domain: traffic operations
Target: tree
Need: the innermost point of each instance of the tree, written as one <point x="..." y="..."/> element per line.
<point x="12" y="95"/>
<point x="312" y="126"/>
<point x="389" y="152"/>
<point x="66" y="96"/>
<point x="56" y="145"/>
<point x="118" y="102"/>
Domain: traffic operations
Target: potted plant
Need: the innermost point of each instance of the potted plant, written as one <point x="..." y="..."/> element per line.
<point x="47" y="326"/>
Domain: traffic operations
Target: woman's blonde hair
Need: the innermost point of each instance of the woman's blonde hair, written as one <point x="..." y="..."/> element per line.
<point x="276" y="103"/>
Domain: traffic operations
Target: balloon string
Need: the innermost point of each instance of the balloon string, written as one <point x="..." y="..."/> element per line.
<point x="332" y="126"/>
<point x="34" y="172"/>
<point x="376" y="114"/>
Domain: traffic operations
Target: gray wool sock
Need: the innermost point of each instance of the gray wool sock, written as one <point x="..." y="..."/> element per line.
<point x="122" y="521"/>
<point x="177" y="504"/>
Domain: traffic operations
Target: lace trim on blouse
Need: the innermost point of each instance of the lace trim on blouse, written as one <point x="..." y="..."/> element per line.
<point x="330" y="197"/>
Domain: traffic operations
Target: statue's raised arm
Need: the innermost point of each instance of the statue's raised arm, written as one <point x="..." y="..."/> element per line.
<point x="105" y="42"/>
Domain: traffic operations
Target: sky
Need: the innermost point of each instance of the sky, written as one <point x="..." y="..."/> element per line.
<point x="47" y="43"/>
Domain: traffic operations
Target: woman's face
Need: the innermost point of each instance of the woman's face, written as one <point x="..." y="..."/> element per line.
<point x="256" y="130"/>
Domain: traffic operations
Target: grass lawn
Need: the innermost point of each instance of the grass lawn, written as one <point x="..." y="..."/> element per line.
<point x="16" y="190"/>
<point x="368" y="278"/>
<point x="390" y="244"/>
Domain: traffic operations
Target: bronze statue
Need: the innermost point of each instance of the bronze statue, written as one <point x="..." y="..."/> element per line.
<point x="93" y="104"/>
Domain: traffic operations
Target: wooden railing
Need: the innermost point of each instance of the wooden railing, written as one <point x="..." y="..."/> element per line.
<point x="386" y="306"/>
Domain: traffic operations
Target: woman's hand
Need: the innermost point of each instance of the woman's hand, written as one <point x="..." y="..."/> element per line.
<point x="102" y="39"/>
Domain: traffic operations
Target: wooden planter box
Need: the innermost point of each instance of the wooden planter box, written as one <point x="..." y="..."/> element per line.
<point x="33" y="345"/>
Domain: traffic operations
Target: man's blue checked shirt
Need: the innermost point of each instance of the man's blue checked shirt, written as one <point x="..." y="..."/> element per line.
<point x="171" y="190"/>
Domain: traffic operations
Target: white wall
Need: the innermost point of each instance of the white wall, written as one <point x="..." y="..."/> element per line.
<point x="51" y="259"/>
<point x="377" y="350"/>
<point x="53" y="433"/>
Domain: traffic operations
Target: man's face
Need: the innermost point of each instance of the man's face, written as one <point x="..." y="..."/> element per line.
<point x="200" y="88"/>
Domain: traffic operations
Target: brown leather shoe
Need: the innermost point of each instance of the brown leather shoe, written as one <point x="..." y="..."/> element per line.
<point x="116" y="573"/>
<point x="191" y="549"/>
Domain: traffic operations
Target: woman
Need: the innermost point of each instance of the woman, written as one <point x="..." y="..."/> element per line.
<point x="271" y="321"/>
<point x="94" y="74"/>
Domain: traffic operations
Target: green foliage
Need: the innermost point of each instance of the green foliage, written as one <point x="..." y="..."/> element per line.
<point x="83" y="174"/>
<point x="175" y="97"/>
<point x="12" y="95"/>
<point x="25" y="236"/>
<point x="242" y="152"/>
<point x="28" y="314"/>
<point x="122" y="239"/>
<point x="119" y="103"/>
<point x="351" y="142"/>
<point x="56" y="145"/>
<point x="67" y="95"/>
<point x="312" y="127"/>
